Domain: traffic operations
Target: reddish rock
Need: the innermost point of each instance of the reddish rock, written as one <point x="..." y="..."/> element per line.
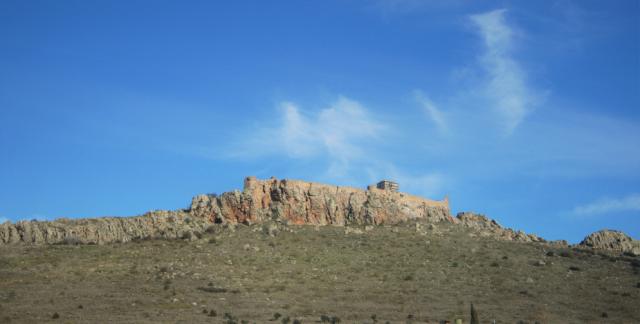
<point x="299" y="202"/>
<point x="288" y="201"/>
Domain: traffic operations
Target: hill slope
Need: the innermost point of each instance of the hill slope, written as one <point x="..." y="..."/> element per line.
<point x="411" y="272"/>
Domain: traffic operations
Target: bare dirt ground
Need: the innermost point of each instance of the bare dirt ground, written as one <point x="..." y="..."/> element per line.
<point x="307" y="274"/>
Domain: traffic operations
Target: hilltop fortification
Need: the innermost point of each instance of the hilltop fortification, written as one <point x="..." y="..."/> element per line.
<point x="286" y="201"/>
<point x="300" y="202"/>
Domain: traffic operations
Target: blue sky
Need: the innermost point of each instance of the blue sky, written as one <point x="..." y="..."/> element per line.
<point x="526" y="111"/>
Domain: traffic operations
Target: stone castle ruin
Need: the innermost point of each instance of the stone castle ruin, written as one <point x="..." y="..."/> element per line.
<point x="388" y="185"/>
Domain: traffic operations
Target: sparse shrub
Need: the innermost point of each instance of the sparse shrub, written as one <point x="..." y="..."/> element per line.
<point x="574" y="268"/>
<point x="230" y="319"/>
<point x="276" y="316"/>
<point x="494" y="264"/>
<point x="407" y="278"/>
<point x="638" y="285"/>
<point x="55" y="316"/>
<point x="454" y="264"/>
<point x="167" y="284"/>
<point x="604" y="315"/>
<point x="374" y="318"/>
<point x="505" y="257"/>
<point x="186" y="235"/>
<point x="212" y="313"/>
<point x="285" y="320"/>
<point x="211" y="229"/>
<point x="565" y="254"/>
<point x="163" y="269"/>
<point x="71" y="240"/>
<point x="212" y="289"/>
<point x="204" y="311"/>
<point x="327" y="319"/>
<point x="213" y="240"/>
<point x="80" y="307"/>
<point x="187" y="220"/>
<point x="551" y="254"/>
<point x="297" y="321"/>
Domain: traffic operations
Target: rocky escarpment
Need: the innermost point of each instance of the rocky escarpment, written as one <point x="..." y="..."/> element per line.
<point x="155" y="224"/>
<point x="299" y="202"/>
<point x="612" y="241"/>
<point x="285" y="201"/>
<point x="490" y="228"/>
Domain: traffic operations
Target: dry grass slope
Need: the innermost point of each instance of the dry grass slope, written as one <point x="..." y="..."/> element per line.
<point x="307" y="274"/>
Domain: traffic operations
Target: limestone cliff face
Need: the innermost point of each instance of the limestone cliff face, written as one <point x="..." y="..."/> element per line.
<point x="289" y="201"/>
<point x="299" y="202"/>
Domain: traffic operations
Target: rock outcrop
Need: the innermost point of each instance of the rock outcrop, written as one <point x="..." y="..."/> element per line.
<point x="155" y="224"/>
<point x="286" y="201"/>
<point x="611" y="240"/>
<point x="490" y="228"/>
<point x="299" y="202"/>
<point x="283" y="202"/>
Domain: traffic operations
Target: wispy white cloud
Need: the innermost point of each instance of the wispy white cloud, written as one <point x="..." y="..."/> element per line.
<point x="506" y="82"/>
<point x="432" y="111"/>
<point x="341" y="133"/>
<point x="630" y="203"/>
<point x="347" y="140"/>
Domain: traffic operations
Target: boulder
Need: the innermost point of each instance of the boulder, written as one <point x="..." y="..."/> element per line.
<point x="612" y="240"/>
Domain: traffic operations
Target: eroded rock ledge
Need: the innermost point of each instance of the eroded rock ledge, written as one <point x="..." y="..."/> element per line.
<point x="300" y="202"/>
<point x="286" y="201"/>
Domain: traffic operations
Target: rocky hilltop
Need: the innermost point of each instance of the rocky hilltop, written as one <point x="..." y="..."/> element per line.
<point x="288" y="202"/>
<point x="613" y="241"/>
<point x="300" y="202"/>
<point x="284" y="201"/>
